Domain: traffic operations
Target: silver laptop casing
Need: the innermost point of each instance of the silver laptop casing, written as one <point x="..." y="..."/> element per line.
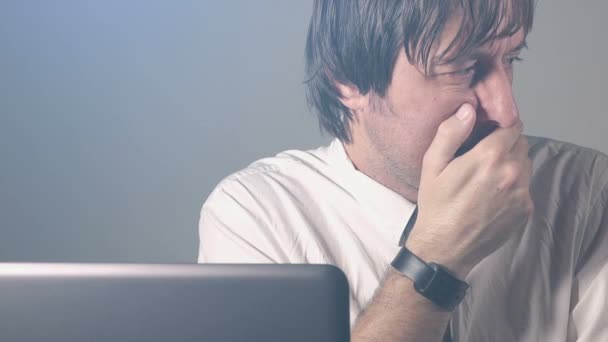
<point x="177" y="303"/>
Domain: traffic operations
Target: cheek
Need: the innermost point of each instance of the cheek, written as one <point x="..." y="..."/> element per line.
<point x="425" y="136"/>
<point x="416" y="114"/>
<point x="449" y="104"/>
<point x="429" y="121"/>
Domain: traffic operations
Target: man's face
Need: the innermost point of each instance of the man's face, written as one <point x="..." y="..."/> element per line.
<point x="399" y="128"/>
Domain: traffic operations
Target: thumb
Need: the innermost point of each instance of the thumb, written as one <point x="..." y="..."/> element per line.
<point x="451" y="134"/>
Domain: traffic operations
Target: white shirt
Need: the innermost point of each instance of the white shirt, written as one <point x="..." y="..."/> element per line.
<point x="549" y="284"/>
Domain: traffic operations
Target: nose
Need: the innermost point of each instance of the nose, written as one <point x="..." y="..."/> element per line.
<point x="495" y="97"/>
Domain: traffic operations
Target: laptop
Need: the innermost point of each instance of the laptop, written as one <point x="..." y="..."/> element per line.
<point x="186" y="302"/>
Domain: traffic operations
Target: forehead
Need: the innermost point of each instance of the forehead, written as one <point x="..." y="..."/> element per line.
<point x="493" y="46"/>
<point x="505" y="28"/>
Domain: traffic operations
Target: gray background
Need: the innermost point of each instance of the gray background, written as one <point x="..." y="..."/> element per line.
<point x="117" y="118"/>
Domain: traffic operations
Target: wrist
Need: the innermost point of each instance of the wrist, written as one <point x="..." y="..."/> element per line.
<point x="432" y="280"/>
<point x="428" y="254"/>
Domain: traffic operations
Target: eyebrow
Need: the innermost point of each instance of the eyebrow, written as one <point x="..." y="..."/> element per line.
<point x="479" y="53"/>
<point x="521" y="46"/>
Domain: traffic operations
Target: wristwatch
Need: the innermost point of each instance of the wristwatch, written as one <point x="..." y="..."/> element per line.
<point x="431" y="280"/>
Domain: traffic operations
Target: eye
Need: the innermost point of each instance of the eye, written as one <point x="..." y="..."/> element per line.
<point x="465" y="72"/>
<point x="514" y="59"/>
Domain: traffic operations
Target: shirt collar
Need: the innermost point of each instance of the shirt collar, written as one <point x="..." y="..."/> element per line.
<point x="396" y="209"/>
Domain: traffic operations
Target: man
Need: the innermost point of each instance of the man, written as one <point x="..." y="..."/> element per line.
<point x="419" y="97"/>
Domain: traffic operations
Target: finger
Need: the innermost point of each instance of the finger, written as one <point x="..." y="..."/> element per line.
<point x="451" y="134"/>
<point x="519" y="155"/>
<point x="501" y="140"/>
<point x="521" y="147"/>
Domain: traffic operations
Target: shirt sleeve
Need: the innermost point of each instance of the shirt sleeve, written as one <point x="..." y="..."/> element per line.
<point x="235" y="227"/>
<point x="588" y="319"/>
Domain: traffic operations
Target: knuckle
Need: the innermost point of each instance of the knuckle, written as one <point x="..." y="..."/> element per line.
<point x="491" y="154"/>
<point x="511" y="174"/>
<point x="512" y="170"/>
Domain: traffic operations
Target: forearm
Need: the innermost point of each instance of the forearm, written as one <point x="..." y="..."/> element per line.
<point x="399" y="313"/>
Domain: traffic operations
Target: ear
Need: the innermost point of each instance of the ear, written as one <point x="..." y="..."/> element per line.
<point x="351" y="97"/>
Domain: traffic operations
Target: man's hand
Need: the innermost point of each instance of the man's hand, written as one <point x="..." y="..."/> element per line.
<point x="471" y="205"/>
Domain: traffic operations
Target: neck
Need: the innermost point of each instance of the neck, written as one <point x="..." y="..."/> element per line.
<point x="379" y="170"/>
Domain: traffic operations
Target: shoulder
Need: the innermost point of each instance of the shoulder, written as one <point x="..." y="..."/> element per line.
<point x="544" y="148"/>
<point x="266" y="182"/>
<point x="566" y="161"/>
<point x="569" y="184"/>
<point x="265" y="203"/>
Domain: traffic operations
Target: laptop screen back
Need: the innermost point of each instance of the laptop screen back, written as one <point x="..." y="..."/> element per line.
<point x="142" y="302"/>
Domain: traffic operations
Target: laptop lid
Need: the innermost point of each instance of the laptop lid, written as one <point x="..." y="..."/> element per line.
<point x="144" y="302"/>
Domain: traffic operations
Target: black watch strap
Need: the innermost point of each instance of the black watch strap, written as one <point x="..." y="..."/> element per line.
<point x="431" y="280"/>
<point x="408" y="227"/>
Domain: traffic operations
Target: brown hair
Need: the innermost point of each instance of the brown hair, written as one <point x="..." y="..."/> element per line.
<point x="356" y="42"/>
